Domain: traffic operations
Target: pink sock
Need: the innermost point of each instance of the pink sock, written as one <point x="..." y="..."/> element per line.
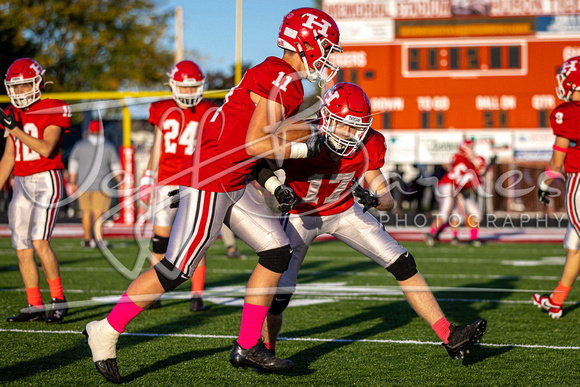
<point x="441" y="328"/>
<point x="474" y="232"/>
<point x="432" y="230"/>
<point x="125" y="311"/>
<point x="271" y="346"/>
<point x="253" y="318"/>
<point x="455" y="233"/>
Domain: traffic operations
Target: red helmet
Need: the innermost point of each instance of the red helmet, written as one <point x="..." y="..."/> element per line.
<point x="24" y="71"/>
<point x="187" y="74"/>
<point x="568" y="78"/>
<point x="345" y="104"/>
<point x="466" y="148"/>
<point x="314" y="35"/>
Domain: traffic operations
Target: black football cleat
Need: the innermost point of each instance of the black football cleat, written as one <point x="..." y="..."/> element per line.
<point x="258" y="357"/>
<point x="196" y="305"/>
<point x="30" y="314"/>
<point x="58" y="309"/>
<point x="108" y="368"/>
<point x="102" y="340"/>
<point x="462" y="336"/>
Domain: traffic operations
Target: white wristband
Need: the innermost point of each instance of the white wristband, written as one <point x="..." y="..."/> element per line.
<point x="298" y="150"/>
<point x="544" y="186"/>
<point x="146" y="180"/>
<point x="271" y="184"/>
<point x="149" y="173"/>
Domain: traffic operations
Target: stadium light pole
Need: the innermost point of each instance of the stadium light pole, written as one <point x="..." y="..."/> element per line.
<point x="178" y="55"/>
<point x="238" y="73"/>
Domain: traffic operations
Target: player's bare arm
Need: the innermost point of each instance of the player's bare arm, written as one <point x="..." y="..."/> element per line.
<point x="155" y="150"/>
<point x="268" y="133"/>
<point x="7" y="162"/>
<point x="43" y="146"/>
<point x="379" y="186"/>
<point x="557" y="161"/>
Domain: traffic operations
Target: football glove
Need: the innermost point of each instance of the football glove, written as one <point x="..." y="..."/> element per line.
<point x="286" y="197"/>
<point x="544" y="195"/>
<point x="174" y="195"/>
<point x="364" y="197"/>
<point x="314" y="145"/>
<point x="8" y="121"/>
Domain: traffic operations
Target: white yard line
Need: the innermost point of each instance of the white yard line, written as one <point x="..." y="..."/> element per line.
<point x="200" y="336"/>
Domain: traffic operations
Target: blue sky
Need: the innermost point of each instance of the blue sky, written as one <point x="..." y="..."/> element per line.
<point x="210" y="27"/>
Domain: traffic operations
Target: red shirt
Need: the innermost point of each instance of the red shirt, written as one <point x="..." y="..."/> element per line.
<point x="462" y="174"/>
<point x="179" y="129"/>
<point x="565" y="121"/>
<point x="323" y="184"/>
<point x="220" y="161"/>
<point x="33" y="122"/>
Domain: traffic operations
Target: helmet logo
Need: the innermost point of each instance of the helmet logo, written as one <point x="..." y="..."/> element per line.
<point x="173" y="71"/>
<point x="323" y="25"/>
<point x="569" y="66"/>
<point x="330" y="97"/>
<point x="36" y="68"/>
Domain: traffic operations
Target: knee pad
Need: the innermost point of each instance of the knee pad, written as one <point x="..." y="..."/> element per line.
<point x="276" y="260"/>
<point x="169" y="276"/>
<point x="279" y="303"/>
<point x="404" y="267"/>
<point x="159" y="244"/>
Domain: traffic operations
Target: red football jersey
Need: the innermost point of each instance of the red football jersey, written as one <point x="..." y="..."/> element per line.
<point x="33" y="122"/>
<point x="220" y="161"/>
<point x="179" y="130"/>
<point x="462" y="173"/>
<point x="565" y="121"/>
<point x="322" y="184"/>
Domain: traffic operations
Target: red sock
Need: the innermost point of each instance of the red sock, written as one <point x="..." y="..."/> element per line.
<point x="55" y="288"/>
<point x="125" y="311"/>
<point x="33" y="297"/>
<point x="198" y="281"/>
<point x="441" y="327"/>
<point x="474" y="232"/>
<point x="560" y="294"/>
<point x="253" y="318"/>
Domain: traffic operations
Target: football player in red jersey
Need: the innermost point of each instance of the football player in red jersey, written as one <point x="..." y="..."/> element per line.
<point x="176" y="121"/>
<point x="325" y="186"/>
<point x="229" y="143"/>
<point x="462" y="177"/>
<point x="565" y="121"/>
<point x="36" y="129"/>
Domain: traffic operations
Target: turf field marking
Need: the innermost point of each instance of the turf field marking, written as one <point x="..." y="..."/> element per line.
<point x="305" y="339"/>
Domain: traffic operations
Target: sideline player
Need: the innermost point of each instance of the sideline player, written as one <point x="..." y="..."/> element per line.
<point x="462" y="177"/>
<point x="176" y="121"/>
<point x="36" y="128"/>
<point x="231" y="142"/>
<point x="564" y="121"/>
<point x="324" y="186"/>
